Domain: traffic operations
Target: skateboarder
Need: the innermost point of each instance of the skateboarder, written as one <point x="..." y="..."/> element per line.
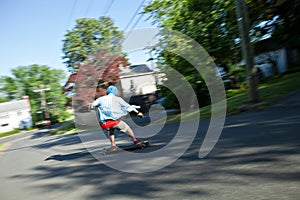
<point x="110" y="108"/>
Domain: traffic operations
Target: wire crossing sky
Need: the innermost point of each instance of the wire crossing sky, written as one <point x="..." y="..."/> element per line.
<point x="32" y="31"/>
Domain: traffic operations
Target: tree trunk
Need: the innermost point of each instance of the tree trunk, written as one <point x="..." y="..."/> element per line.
<point x="247" y="49"/>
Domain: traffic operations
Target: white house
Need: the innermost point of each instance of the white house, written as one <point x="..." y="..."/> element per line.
<point x="272" y="56"/>
<point x="138" y="85"/>
<point x="15" y="114"/>
<point x="262" y="61"/>
<point x="279" y="57"/>
<point x="137" y="80"/>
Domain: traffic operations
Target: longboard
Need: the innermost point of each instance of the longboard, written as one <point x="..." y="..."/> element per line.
<point x="143" y="145"/>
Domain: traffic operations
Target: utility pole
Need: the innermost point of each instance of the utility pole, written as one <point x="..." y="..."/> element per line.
<point x="247" y="49"/>
<point x="44" y="103"/>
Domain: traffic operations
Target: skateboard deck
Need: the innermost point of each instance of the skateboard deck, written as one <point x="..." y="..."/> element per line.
<point x="143" y="145"/>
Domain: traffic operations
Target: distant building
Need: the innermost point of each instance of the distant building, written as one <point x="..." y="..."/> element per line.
<point x="274" y="57"/>
<point x="138" y="85"/>
<point x="137" y="80"/>
<point x="15" y="114"/>
<point x="284" y="54"/>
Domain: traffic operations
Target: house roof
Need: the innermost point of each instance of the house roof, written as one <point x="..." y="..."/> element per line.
<point x="135" y="69"/>
<point x="14" y="105"/>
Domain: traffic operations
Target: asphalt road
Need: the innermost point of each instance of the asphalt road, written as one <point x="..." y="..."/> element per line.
<point x="256" y="157"/>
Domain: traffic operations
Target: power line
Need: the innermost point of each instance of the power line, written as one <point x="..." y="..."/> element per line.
<point x="129" y="32"/>
<point x="71" y="13"/>
<point x="88" y="7"/>
<point x="108" y="7"/>
<point x="140" y="17"/>
<point x="134" y="15"/>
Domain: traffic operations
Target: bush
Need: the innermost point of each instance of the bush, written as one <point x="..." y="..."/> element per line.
<point x="237" y="76"/>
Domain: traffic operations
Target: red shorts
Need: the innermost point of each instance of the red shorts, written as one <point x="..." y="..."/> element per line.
<point x="109" y="123"/>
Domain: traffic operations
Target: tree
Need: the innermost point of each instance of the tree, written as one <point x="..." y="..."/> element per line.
<point x="93" y="53"/>
<point x="87" y="37"/>
<point x="99" y="70"/>
<point x="213" y="24"/>
<point x="277" y="18"/>
<point x="243" y="20"/>
<point x="26" y="79"/>
<point x="210" y="23"/>
<point x="9" y="87"/>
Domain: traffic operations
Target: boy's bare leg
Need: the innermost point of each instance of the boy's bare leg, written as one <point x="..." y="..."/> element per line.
<point x="124" y="126"/>
<point x="131" y="134"/>
<point x="112" y="138"/>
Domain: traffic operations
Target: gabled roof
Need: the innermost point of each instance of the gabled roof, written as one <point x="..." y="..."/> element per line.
<point x="135" y="69"/>
<point x="143" y="68"/>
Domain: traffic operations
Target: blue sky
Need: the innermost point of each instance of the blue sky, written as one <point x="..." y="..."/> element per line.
<point x="32" y="30"/>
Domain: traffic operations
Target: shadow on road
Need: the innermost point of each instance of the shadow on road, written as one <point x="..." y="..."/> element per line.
<point x="257" y="152"/>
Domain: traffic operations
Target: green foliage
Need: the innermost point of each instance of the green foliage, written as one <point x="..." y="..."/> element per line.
<point x="9" y="86"/>
<point x="3" y="99"/>
<point x="234" y="92"/>
<point x="33" y="77"/>
<point x="286" y="13"/>
<point x="87" y="37"/>
<point x="211" y="23"/>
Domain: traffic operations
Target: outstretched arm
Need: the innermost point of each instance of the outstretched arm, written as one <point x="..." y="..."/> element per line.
<point x="131" y="108"/>
<point x="139" y="114"/>
<point x="95" y="104"/>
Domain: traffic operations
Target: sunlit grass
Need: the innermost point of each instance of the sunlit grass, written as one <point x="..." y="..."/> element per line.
<point x="15" y="131"/>
<point x="268" y="92"/>
<point x="67" y="128"/>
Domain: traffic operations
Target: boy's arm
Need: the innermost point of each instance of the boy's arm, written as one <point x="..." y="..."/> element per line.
<point x="138" y="113"/>
<point x="131" y="108"/>
<point x="94" y="104"/>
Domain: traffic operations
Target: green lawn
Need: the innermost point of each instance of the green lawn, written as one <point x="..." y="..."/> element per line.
<point x="9" y="133"/>
<point x="69" y="127"/>
<point x="268" y="91"/>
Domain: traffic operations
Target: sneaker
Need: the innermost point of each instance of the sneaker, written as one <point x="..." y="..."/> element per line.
<point x="113" y="148"/>
<point x="138" y="141"/>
